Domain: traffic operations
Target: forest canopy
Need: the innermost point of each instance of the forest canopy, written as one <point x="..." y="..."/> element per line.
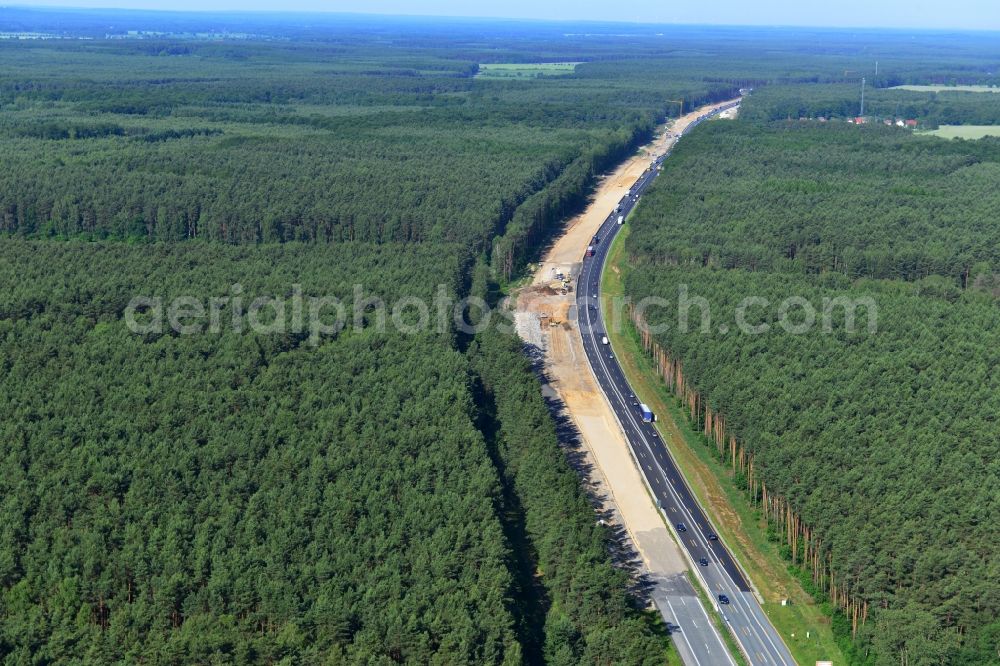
<point x="368" y="495"/>
<point x="843" y="101"/>
<point x="248" y="498"/>
<point x="871" y="202"/>
<point x="872" y="449"/>
<point x="373" y="496"/>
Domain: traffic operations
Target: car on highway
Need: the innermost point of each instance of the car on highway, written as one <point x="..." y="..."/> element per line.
<point x="657" y="458"/>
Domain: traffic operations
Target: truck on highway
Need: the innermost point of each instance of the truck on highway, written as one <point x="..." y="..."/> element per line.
<point x="590" y="250"/>
<point x="647" y="414"/>
<point x="604" y="340"/>
<point x="621" y="219"/>
<point x="595" y="240"/>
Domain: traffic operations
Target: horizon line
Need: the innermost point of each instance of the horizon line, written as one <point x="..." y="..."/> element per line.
<point x="516" y="19"/>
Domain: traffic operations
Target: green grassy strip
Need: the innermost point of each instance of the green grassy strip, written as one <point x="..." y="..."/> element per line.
<point x="714" y="618"/>
<point x="803" y="616"/>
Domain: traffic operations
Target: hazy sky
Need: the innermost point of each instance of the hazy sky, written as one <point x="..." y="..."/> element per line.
<point x="975" y="14"/>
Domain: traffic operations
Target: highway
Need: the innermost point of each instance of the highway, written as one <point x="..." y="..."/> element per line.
<point x="757" y="638"/>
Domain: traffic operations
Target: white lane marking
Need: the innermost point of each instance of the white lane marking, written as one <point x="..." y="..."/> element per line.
<point x="590" y="266"/>
<point x="683" y="637"/>
<point x="685" y="509"/>
<point x="756" y="618"/>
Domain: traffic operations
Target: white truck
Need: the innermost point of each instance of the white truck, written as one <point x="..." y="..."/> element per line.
<point x="621" y="219"/>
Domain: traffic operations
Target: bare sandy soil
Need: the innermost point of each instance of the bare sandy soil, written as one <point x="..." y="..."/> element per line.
<point x="729" y="114"/>
<point x="542" y="315"/>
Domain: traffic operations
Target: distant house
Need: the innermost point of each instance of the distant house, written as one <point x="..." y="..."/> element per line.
<point x="911" y="123"/>
<point x="887" y="122"/>
<point x="900" y="123"/>
<point x="822" y="119"/>
<point x="860" y="120"/>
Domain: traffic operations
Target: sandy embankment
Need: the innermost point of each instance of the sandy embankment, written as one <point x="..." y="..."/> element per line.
<point x="543" y="320"/>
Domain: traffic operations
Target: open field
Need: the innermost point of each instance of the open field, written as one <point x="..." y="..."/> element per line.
<point x="739" y="525"/>
<point x="948" y="88"/>
<point x="525" y="70"/>
<point x="964" y="131"/>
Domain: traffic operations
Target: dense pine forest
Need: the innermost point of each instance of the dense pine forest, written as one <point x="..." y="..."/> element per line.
<point x="250" y="498"/>
<point x="373" y="495"/>
<point x="870" y="451"/>
<point x="364" y="495"/>
<point x="875" y="203"/>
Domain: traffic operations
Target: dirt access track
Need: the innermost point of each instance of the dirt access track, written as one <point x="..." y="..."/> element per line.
<point x="542" y="314"/>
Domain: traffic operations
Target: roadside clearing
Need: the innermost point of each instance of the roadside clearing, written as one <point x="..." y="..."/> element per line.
<point x="543" y="320"/>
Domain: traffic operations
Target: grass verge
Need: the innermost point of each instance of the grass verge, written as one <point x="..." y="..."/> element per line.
<point x="714" y="618"/>
<point x="727" y="636"/>
<point x="804" y="624"/>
